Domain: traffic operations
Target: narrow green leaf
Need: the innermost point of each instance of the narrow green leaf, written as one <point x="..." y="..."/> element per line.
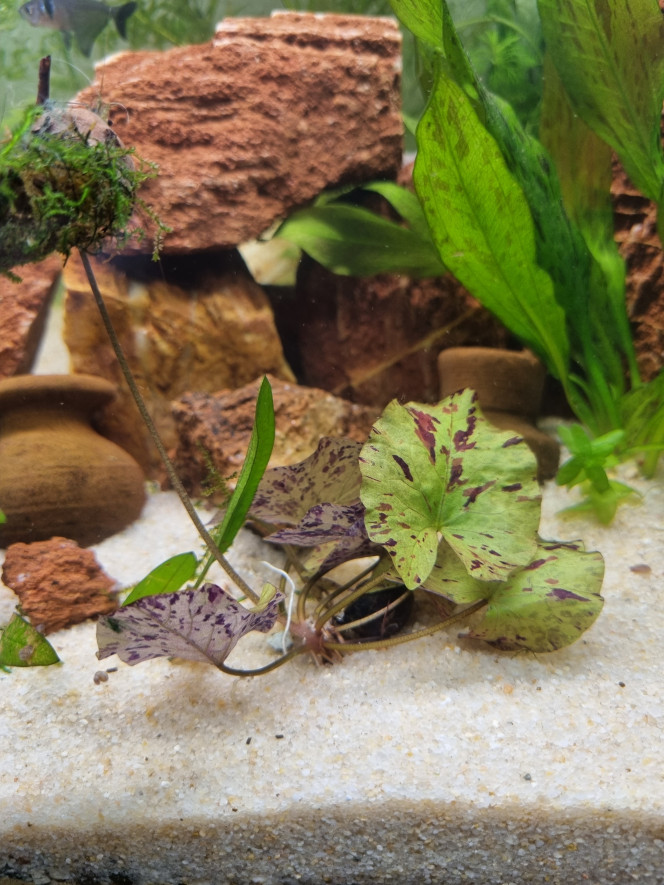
<point x="432" y="473"/>
<point x="548" y="604"/>
<point x="23" y="646"/>
<point x="167" y="577"/>
<point x="406" y="204"/>
<point x="353" y="241"/>
<point x="609" y="56"/>
<point x="481" y="222"/>
<point x="253" y="468"/>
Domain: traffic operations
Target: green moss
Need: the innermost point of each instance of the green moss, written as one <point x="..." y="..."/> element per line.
<point x="66" y="182"/>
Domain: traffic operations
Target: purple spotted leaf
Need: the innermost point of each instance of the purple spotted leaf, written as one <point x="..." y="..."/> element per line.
<point x="202" y="624"/>
<point x="331" y="473"/>
<point x="548" y="604"/>
<point x="338" y="533"/>
<point x="443" y="472"/>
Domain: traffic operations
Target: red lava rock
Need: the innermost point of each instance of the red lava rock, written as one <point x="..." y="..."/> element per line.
<point x="217" y="427"/>
<point x="58" y="583"/>
<point x="636" y="234"/>
<point x="23" y="310"/>
<point x="259" y="121"/>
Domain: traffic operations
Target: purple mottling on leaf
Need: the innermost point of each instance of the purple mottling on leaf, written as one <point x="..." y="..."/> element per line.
<point x="425" y="427"/>
<point x="515" y="487"/>
<point x="561" y="593"/>
<point x="473" y="493"/>
<point x="538" y="563"/>
<point x="461" y="437"/>
<point x="404" y="467"/>
<point x="512" y="441"/>
<point x="456" y="472"/>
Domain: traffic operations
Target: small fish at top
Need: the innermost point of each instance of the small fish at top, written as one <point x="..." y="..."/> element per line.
<point x="85" y="19"/>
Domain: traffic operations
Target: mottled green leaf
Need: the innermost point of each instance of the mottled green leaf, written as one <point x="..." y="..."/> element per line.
<point x="423" y="18"/>
<point x="443" y="472"/>
<point x="481" y="222"/>
<point x="331" y="473"/>
<point x="609" y="56"/>
<point x="21" y="645"/>
<point x="548" y="604"/>
<point x="167" y="577"/>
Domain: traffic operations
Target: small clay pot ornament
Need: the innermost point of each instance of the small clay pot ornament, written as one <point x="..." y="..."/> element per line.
<point x="509" y="387"/>
<point x="58" y="476"/>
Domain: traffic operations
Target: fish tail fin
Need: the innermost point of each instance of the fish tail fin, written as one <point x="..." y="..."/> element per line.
<point x="121" y="14"/>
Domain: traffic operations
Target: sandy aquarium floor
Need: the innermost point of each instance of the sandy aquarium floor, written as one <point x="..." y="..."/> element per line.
<point x="432" y="762"/>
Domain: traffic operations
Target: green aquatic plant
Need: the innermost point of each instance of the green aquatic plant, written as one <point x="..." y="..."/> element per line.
<point x="65" y="182"/>
<point x="440" y="499"/>
<point x="526" y="224"/>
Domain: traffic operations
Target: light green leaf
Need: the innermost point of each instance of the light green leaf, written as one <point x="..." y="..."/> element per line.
<point x="353" y="241"/>
<point x="167" y="577"/>
<point x="443" y="472"/>
<point x="253" y="468"/>
<point x="406" y="204"/>
<point x="23" y="646"/>
<point x="548" y="604"/>
<point x="609" y="56"/>
<point x="422" y="17"/>
<point x="481" y="223"/>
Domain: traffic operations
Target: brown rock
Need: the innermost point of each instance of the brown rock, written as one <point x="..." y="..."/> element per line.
<point x="58" y="583"/>
<point x="374" y="339"/>
<point x="217" y="427"/>
<point x="636" y="233"/>
<point x="259" y="121"/>
<point x="209" y="327"/>
<point x="23" y="309"/>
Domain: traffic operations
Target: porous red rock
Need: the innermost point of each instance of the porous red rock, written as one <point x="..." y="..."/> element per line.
<point x="23" y="310"/>
<point x="194" y="323"/>
<point x="215" y="428"/>
<point x="375" y="339"/>
<point x="259" y="121"/>
<point x="636" y="233"/>
<point x="58" y="583"/>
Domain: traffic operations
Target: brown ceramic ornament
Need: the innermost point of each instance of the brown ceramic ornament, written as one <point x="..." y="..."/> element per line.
<point x="57" y="475"/>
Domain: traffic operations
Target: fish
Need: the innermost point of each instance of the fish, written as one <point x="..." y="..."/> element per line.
<point x="85" y="19"/>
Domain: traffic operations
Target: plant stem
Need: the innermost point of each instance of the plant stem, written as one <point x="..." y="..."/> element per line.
<point x="149" y="423"/>
<point x="231" y="671"/>
<point x="408" y="637"/>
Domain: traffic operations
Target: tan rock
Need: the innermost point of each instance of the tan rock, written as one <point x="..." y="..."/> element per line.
<point x="213" y="329"/>
<point x="215" y="428"/>
<point x="258" y="121"/>
<point x="23" y="310"/>
<point x="58" y="583"/>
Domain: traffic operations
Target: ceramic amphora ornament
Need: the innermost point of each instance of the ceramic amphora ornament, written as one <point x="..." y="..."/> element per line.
<point x="58" y="476"/>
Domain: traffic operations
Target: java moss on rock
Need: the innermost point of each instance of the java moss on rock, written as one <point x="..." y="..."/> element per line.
<point x="66" y="181"/>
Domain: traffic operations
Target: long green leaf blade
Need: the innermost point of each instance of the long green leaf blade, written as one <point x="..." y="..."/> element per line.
<point x="422" y="17"/>
<point x="255" y="464"/>
<point x="609" y="56"/>
<point x="353" y="241"/>
<point x="481" y="223"/>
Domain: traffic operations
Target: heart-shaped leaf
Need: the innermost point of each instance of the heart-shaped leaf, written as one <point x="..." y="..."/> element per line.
<point x="443" y="472"/>
<point x="202" y="624"/>
<point x="331" y="473"/>
<point x="21" y="645"/>
<point x="548" y="604"/>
